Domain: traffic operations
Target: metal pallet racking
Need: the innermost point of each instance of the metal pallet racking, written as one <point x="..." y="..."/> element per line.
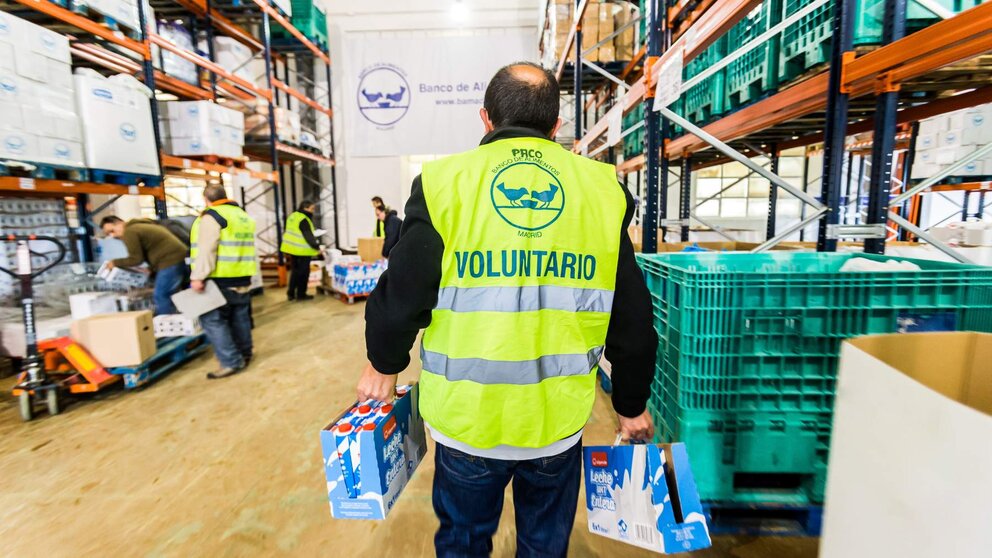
<point x="305" y="79"/>
<point x="908" y="78"/>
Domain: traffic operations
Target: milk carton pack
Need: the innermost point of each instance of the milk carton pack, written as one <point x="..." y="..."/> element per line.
<point x="371" y="451"/>
<point x="357" y="278"/>
<point x="122" y="278"/>
<point x="645" y="495"/>
<point x="175" y="325"/>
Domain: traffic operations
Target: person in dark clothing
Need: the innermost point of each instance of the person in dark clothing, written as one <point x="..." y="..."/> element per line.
<point x="391" y="225"/>
<point x="513" y="340"/>
<point x="299" y="242"/>
<point x="149" y="241"/>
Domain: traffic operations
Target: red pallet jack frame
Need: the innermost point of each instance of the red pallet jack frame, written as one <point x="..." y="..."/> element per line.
<point x="76" y="370"/>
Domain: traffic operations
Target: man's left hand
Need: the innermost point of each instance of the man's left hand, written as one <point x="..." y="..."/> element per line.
<point x="110" y="264"/>
<point x="377" y="386"/>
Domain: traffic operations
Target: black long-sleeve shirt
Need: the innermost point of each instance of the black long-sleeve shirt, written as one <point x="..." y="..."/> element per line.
<point x="406" y="293"/>
<point x="393" y="225"/>
<point x="307" y="232"/>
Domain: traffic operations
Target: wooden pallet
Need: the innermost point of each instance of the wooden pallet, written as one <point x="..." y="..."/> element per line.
<point x="346" y="298"/>
<point x="172" y="353"/>
<point x="776" y="520"/>
<point x="42" y="171"/>
<point x="124" y="178"/>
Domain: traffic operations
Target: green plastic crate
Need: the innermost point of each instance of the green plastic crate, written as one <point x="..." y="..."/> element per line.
<point x="806" y="43"/>
<point x="706" y="100"/>
<point x="754" y="74"/>
<point x="310" y="18"/>
<point x="758" y="335"/>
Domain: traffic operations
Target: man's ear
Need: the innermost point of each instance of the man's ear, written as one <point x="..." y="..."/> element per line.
<point x="554" y="131"/>
<point x="486" y="121"/>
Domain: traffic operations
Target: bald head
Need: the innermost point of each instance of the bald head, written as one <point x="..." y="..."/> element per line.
<point x="523" y="94"/>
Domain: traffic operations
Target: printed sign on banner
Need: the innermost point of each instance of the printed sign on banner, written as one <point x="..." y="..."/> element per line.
<point x="669" y="84"/>
<point x="420" y="95"/>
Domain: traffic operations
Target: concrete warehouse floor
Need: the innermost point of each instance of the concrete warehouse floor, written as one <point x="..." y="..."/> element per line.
<point x="190" y="467"/>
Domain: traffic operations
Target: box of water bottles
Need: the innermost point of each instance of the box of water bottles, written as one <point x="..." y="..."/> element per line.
<point x="370" y="452"/>
<point x="357" y="278"/>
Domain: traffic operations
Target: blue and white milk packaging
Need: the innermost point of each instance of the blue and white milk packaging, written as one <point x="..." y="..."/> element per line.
<point x="370" y="453"/>
<point x="645" y="495"/>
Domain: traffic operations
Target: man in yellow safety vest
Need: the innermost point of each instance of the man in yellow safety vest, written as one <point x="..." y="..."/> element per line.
<point x="514" y="257"/>
<point x="299" y="241"/>
<point x="222" y="247"/>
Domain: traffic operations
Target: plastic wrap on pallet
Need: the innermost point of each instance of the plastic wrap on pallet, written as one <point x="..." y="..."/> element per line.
<point x="172" y="63"/>
<point x="357" y="278"/>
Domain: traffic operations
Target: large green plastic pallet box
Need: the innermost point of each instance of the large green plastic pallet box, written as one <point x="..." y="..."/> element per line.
<point x="753" y="74"/>
<point x="310" y="17"/>
<point x="806" y="43"/>
<point x="756" y="338"/>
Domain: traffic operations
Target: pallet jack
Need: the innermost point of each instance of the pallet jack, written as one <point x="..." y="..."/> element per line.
<point x="50" y="365"/>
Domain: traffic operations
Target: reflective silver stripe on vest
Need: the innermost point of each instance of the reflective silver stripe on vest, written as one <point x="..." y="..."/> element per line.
<point x="237" y="243"/>
<point x="236" y="259"/>
<point x="297" y="244"/>
<point x="516" y="372"/>
<point x="524" y="299"/>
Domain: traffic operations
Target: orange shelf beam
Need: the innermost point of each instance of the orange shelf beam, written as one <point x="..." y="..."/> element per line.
<point x="304" y="154"/>
<point x="87" y="25"/>
<point x="274" y="14"/>
<point x="182" y="163"/>
<point x="229" y="28"/>
<point x="72" y="188"/>
<point x="301" y="97"/>
<point x="963" y="187"/>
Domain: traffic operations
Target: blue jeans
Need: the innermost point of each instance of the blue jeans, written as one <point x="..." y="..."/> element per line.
<point x="468" y="500"/>
<point x="168" y="281"/>
<point x="229" y="329"/>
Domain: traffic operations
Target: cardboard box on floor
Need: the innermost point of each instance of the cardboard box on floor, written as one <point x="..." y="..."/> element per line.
<point x="370" y="249"/>
<point x="123" y="339"/>
<point x="910" y="470"/>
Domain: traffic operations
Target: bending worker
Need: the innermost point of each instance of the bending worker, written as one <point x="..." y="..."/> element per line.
<point x="149" y="241"/>
<point x="299" y="242"/>
<point x="223" y="251"/>
<point x="515" y="258"/>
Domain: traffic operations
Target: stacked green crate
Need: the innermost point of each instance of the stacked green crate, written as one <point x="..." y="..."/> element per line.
<point x="310" y="18"/>
<point x="754" y="74"/>
<point x="705" y="101"/>
<point x="806" y="43"/>
<point x="748" y="350"/>
<point x="633" y="143"/>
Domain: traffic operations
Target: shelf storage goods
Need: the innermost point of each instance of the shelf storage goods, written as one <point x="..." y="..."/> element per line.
<point x="748" y="353"/>
<point x="754" y="74"/>
<point x="310" y="18"/>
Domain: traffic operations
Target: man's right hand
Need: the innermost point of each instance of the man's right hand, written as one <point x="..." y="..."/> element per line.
<point x="639" y="428"/>
<point x="197" y="286"/>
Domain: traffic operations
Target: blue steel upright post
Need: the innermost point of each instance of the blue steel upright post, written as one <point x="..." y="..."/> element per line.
<point x="649" y="225"/>
<point x="685" y="195"/>
<point x="273" y="152"/>
<point x="771" y="225"/>
<point x="884" y="138"/>
<point x="835" y="129"/>
<point x="149" y="72"/>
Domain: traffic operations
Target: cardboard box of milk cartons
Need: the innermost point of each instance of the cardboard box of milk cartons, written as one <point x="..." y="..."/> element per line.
<point x="38" y="121"/>
<point x="117" y="123"/>
<point x="910" y="471"/>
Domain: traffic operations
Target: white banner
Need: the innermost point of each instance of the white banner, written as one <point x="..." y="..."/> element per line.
<point x="410" y="96"/>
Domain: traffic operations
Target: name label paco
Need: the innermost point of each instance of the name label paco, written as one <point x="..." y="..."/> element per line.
<point x="525" y="263"/>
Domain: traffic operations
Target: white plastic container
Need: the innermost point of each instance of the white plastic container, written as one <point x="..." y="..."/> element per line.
<point x="117" y="123"/>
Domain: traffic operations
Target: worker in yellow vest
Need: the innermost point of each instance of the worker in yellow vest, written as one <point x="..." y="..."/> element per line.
<point x="379" y="206"/>
<point x="222" y="247"/>
<point x="299" y="242"/>
<point x="514" y="257"/>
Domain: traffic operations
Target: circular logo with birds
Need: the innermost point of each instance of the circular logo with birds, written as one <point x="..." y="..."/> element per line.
<point x="383" y="95"/>
<point x="527" y="196"/>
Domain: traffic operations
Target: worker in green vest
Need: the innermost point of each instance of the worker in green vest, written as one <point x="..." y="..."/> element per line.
<point x="222" y="247"/>
<point x="514" y="257"/>
<point x="299" y="242"/>
<point x="377" y="206"/>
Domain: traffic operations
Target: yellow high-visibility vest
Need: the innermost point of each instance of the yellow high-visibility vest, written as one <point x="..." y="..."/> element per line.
<point x="236" y="249"/>
<point x="293" y="242"/>
<point x="531" y="241"/>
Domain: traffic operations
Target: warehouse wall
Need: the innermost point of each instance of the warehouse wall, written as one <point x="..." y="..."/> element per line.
<point x="360" y="178"/>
